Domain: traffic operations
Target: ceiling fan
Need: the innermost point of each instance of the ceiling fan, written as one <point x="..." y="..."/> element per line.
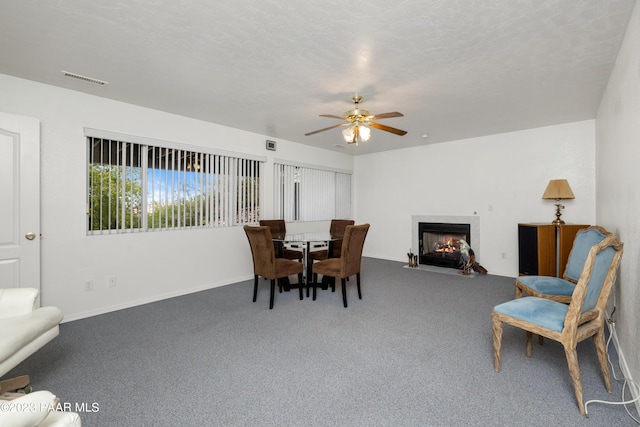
<point x="359" y="122"/>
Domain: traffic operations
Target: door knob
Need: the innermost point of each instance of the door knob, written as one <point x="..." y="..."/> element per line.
<point x="30" y="236"/>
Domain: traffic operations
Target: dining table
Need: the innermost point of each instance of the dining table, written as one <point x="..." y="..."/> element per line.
<point x="308" y="240"/>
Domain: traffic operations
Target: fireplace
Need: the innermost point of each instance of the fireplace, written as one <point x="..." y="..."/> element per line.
<point x="439" y="243"/>
<point x="417" y="239"/>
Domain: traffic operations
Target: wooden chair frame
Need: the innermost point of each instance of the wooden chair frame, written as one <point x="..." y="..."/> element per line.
<point x="578" y="325"/>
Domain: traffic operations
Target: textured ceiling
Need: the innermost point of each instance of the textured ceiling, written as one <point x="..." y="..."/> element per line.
<point x="455" y="68"/>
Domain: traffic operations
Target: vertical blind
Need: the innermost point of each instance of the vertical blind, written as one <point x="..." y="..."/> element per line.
<point x="139" y="187"/>
<point x="310" y="194"/>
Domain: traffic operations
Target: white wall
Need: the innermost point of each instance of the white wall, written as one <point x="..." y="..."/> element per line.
<point x="148" y="266"/>
<point x="618" y="178"/>
<point x="499" y="178"/>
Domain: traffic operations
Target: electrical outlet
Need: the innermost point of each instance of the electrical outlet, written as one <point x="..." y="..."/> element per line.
<point x="88" y="285"/>
<point x="112" y="281"/>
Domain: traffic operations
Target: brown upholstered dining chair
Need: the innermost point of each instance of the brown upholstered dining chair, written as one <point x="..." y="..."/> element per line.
<point x="337" y="227"/>
<point x="278" y="226"/>
<point x="266" y="264"/>
<point x="349" y="262"/>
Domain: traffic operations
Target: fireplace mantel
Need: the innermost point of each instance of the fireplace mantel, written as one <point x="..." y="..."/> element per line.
<point x="473" y="221"/>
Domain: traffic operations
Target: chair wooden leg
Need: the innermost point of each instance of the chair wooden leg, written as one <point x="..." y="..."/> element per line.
<point x="358" y="284"/>
<point x="529" y="338"/>
<point x="601" y="349"/>
<point x="497" y="343"/>
<point x="574" y="371"/>
<point x="300" y="285"/>
<point x="255" y="288"/>
<point x="540" y="337"/>
<point x="344" y="291"/>
<point x="272" y="293"/>
<point x="518" y="292"/>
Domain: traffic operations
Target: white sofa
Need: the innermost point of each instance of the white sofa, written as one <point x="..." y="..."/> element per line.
<point x="24" y="327"/>
<point x="37" y="409"/>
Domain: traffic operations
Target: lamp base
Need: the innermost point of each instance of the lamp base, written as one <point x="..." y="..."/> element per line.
<point x="558" y="221"/>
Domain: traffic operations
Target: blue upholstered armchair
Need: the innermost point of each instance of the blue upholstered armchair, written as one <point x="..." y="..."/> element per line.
<point x="561" y="289"/>
<point x="581" y="318"/>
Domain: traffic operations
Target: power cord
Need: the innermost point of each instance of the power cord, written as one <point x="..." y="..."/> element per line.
<point x="612" y="332"/>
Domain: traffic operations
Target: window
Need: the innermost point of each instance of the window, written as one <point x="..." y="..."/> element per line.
<point x="311" y="194"/>
<point x="135" y="186"/>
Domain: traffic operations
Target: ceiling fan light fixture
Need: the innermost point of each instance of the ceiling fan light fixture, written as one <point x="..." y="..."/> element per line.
<point x="355" y="133"/>
<point x="365" y="132"/>
<point x="348" y="134"/>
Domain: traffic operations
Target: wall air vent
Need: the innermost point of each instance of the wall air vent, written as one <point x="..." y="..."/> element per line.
<point x="85" y="78"/>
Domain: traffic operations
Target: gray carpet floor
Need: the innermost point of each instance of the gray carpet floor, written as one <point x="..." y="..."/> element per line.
<point x="415" y="351"/>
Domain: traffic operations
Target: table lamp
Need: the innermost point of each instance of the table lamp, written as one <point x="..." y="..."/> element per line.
<point x="558" y="189"/>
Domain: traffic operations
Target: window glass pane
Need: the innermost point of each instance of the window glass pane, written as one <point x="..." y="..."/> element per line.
<point x="115" y="186"/>
<point x="137" y="187"/>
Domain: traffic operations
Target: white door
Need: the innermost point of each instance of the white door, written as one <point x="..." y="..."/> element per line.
<point x="19" y="202"/>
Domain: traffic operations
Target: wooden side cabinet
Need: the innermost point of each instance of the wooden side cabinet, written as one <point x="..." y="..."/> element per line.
<point x="543" y="249"/>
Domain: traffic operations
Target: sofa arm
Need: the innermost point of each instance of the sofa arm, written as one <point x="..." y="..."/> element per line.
<point x="27" y="411"/>
<point x="17" y="301"/>
<point x="61" y="419"/>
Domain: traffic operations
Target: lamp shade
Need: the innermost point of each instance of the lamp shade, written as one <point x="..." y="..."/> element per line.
<point x="558" y="189"/>
<point x="348" y="134"/>
<point x="365" y="133"/>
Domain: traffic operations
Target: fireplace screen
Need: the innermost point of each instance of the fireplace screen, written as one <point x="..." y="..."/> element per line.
<point x="440" y="243"/>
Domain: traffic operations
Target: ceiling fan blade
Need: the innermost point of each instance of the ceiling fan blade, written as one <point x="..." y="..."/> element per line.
<point x="385" y="116"/>
<point x="322" y="130"/>
<point x="332" y="116"/>
<point x="386" y="128"/>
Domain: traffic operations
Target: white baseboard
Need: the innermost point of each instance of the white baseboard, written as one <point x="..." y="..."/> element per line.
<point x="142" y="301"/>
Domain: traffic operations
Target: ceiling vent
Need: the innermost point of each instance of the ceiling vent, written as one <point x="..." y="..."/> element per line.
<point x="85" y="78"/>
